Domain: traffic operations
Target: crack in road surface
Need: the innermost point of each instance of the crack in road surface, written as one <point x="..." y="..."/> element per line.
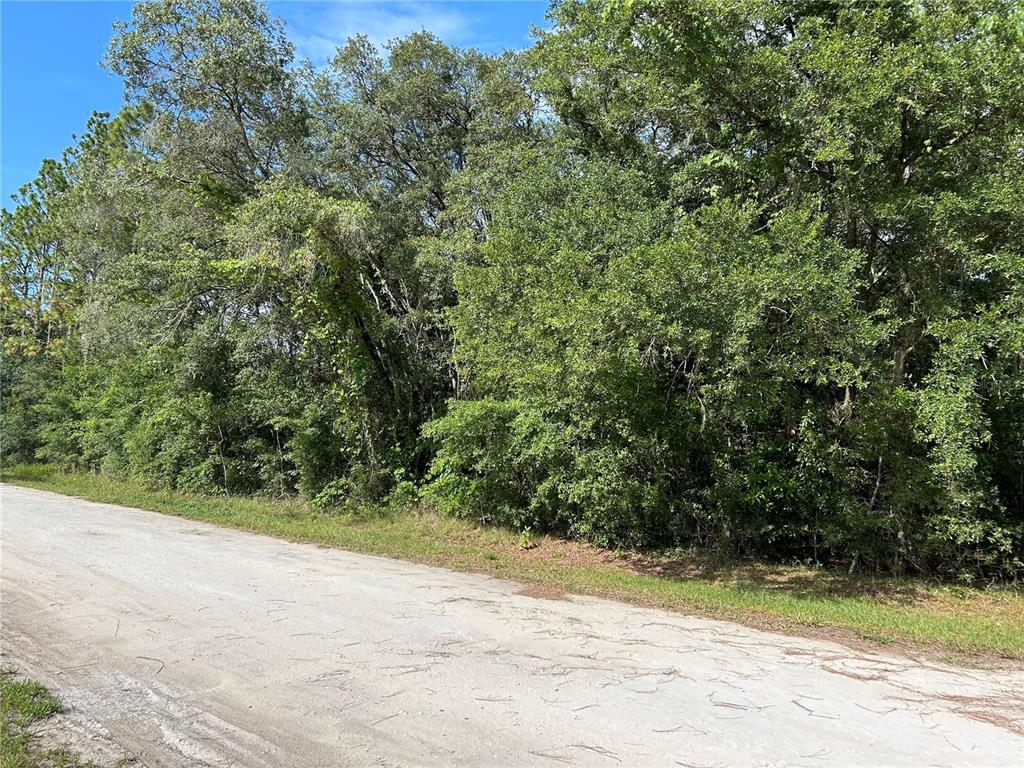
<point x="234" y="649"/>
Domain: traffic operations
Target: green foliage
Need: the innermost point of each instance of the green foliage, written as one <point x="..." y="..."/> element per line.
<point x="744" y="276"/>
<point x="24" y="703"/>
<point x="815" y="354"/>
<point x="217" y="74"/>
<point x="26" y="700"/>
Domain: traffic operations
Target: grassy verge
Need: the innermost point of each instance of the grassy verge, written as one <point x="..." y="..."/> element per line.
<point x="25" y="704"/>
<point x="944" y="621"/>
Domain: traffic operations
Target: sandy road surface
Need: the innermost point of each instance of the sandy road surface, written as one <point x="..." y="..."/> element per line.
<point x="194" y="645"/>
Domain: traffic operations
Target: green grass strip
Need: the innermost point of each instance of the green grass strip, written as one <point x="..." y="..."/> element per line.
<point x="956" y="621"/>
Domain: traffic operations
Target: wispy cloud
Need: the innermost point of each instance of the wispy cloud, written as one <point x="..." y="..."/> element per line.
<point x="318" y="28"/>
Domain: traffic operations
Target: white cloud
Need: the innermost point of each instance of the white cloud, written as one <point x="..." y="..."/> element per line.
<point x="318" y="28"/>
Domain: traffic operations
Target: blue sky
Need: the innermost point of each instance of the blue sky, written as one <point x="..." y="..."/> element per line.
<point x="52" y="80"/>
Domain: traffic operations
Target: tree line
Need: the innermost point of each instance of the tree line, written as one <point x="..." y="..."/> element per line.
<point x="746" y="276"/>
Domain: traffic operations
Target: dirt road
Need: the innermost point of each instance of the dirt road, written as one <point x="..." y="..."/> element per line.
<point x="195" y="645"/>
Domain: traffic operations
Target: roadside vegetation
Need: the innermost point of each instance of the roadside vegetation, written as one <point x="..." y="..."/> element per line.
<point x="743" y="279"/>
<point x="912" y="615"/>
<point x="25" y="706"/>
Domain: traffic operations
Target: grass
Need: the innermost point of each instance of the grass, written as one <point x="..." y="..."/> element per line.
<point x="23" y="705"/>
<point x="971" y="626"/>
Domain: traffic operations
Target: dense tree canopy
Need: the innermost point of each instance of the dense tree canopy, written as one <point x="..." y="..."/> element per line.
<point x="744" y="276"/>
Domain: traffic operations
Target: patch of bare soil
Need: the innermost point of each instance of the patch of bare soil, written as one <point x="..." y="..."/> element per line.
<point x="543" y="592"/>
<point x="64" y="734"/>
